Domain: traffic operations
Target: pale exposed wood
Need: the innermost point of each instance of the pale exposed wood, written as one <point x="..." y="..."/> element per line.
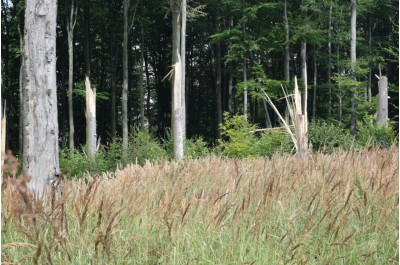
<point x="90" y="119"/>
<point x="383" y="101"/>
<point x="353" y="43"/>
<point x="40" y="123"/>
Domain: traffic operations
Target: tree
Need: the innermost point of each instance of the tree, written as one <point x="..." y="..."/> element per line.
<point x="71" y="22"/>
<point x="40" y="132"/>
<point x="353" y="59"/>
<point x="177" y="110"/>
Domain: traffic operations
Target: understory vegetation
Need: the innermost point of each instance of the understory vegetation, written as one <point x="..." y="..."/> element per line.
<point x="338" y="208"/>
<point x="240" y="140"/>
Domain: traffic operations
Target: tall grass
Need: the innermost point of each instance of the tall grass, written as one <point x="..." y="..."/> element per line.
<point x="336" y="209"/>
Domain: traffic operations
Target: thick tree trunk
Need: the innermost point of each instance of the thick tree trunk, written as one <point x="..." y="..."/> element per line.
<point x="353" y="63"/>
<point x="383" y="100"/>
<point x="125" y="77"/>
<point x="177" y="113"/>
<point x="40" y="131"/>
<point x="90" y="119"/>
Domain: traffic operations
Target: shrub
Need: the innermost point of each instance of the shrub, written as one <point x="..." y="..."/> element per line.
<point x="239" y="139"/>
<point x="196" y="147"/>
<point x="326" y="137"/>
<point x="273" y="142"/>
<point x="374" y="135"/>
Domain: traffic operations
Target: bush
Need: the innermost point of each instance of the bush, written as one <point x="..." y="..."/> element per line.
<point x="326" y="137"/>
<point x="196" y="147"/>
<point x="375" y="135"/>
<point x="239" y="139"/>
<point x="273" y="142"/>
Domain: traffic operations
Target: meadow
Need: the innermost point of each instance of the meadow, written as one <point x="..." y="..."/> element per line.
<point x="339" y="208"/>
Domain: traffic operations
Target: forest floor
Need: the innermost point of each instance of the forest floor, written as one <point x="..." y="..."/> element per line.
<point x="340" y="208"/>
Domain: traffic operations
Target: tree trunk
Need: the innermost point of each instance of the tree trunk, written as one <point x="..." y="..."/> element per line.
<point x="183" y="60"/>
<point x="114" y="93"/>
<point x="86" y="21"/>
<point x="177" y="113"/>
<point x="353" y="63"/>
<point x="71" y="20"/>
<point x="40" y="133"/>
<point x="230" y="79"/>
<point x="218" y="83"/>
<point x="268" y="123"/>
<point x="125" y="80"/>
<point x="315" y="84"/>
<point x="245" y="88"/>
<point x="303" y="55"/>
<point x="383" y="100"/>
<point x="90" y="119"/>
<point x="329" y="62"/>
<point x="287" y="54"/>
<point x="369" y="94"/>
<point x="141" y="88"/>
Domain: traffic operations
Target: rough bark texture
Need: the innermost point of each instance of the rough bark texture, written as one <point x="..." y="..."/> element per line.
<point x="353" y="63"/>
<point x="383" y="100"/>
<point x="177" y="114"/>
<point x="40" y="128"/>
<point x="90" y="119"/>
<point x="125" y="78"/>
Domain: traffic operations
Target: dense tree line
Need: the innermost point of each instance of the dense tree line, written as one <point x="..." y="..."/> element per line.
<point x="235" y="50"/>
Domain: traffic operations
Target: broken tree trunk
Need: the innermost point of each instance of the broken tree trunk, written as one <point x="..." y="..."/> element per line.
<point x="383" y="100"/>
<point x="90" y="119"/>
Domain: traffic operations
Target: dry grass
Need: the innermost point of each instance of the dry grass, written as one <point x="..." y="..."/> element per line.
<point x="335" y="209"/>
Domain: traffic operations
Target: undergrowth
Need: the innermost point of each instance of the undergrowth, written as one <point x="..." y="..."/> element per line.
<point x="340" y="208"/>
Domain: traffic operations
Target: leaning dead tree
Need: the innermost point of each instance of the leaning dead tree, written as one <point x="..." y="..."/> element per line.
<point x="383" y="99"/>
<point x="298" y="131"/>
<point x="90" y="119"/>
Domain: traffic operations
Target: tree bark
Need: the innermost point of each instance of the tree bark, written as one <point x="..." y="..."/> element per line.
<point x="90" y="119"/>
<point x="287" y="54"/>
<point x="141" y="88"/>
<point x="183" y="60"/>
<point x="383" y="100"/>
<point x="369" y="94"/>
<point x="303" y="55"/>
<point x="353" y="63"/>
<point x="177" y="112"/>
<point x="315" y="84"/>
<point x="40" y="131"/>
<point x="86" y="21"/>
<point x="125" y="77"/>
<point x="218" y="89"/>
<point x="71" y="20"/>
<point x="245" y="88"/>
<point x="329" y="73"/>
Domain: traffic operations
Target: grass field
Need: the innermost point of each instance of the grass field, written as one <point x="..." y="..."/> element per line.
<point x="335" y="209"/>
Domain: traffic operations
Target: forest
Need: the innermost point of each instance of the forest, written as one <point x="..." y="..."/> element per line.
<point x="199" y="131"/>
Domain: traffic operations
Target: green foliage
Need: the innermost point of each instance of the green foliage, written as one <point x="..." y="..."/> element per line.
<point x="196" y="148"/>
<point x="239" y="138"/>
<point x="327" y="137"/>
<point x="274" y="142"/>
<point x="374" y="135"/>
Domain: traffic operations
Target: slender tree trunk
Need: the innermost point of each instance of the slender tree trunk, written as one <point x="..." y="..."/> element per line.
<point x="71" y="20"/>
<point x="40" y="133"/>
<point x="177" y="113"/>
<point x="114" y="93"/>
<point x="230" y="79"/>
<point x="315" y="84"/>
<point x="141" y="88"/>
<point x="125" y="77"/>
<point x="146" y="67"/>
<point x="353" y="63"/>
<point x="21" y="94"/>
<point x="218" y="84"/>
<point x="329" y="62"/>
<point x="287" y="56"/>
<point x="267" y="118"/>
<point x="86" y="20"/>
<point x="245" y="88"/>
<point x="303" y="55"/>
<point x="369" y="94"/>
<point x="91" y="135"/>
<point x="183" y="59"/>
